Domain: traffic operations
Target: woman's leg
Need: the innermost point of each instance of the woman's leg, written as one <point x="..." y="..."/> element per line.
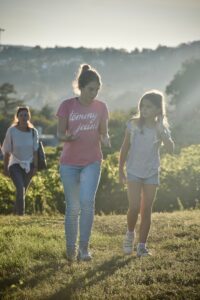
<point x="70" y="176"/>
<point x="148" y="195"/>
<point x="27" y="177"/>
<point x="16" y="174"/>
<point x="89" y="180"/>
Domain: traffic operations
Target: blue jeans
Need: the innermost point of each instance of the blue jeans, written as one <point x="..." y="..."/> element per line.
<point x="80" y="185"/>
<point x="21" y="180"/>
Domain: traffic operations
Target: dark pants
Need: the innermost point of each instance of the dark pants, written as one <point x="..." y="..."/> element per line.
<point x="21" y="180"/>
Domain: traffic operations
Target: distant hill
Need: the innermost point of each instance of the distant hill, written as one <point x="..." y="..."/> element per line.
<point x="44" y="76"/>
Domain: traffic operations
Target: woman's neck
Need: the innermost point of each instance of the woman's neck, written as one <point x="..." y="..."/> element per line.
<point x="22" y="127"/>
<point x="84" y="101"/>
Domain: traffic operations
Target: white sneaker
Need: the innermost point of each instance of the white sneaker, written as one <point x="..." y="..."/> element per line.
<point x="128" y="244"/>
<point x="143" y="251"/>
<point x="84" y="255"/>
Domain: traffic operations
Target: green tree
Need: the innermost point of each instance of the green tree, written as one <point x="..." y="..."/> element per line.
<point x="184" y="82"/>
<point x="47" y="111"/>
<point x="184" y="91"/>
<point x="8" y="101"/>
<point x="45" y="118"/>
<point x="8" y="104"/>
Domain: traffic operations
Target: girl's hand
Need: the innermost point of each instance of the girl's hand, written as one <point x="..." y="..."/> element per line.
<point x="105" y="139"/>
<point x="122" y="177"/>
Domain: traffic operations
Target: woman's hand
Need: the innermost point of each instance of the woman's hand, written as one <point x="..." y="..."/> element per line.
<point x="71" y="137"/>
<point x="5" y="164"/>
<point x="62" y="131"/>
<point x="35" y="170"/>
<point x="105" y="139"/>
<point x="6" y="172"/>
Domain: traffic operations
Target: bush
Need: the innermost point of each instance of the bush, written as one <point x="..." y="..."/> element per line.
<point x="179" y="189"/>
<point x="7" y="195"/>
<point x="111" y="196"/>
<point x="45" y="194"/>
<point x="180" y="180"/>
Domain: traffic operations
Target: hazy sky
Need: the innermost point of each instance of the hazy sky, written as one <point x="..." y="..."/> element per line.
<point x="100" y="23"/>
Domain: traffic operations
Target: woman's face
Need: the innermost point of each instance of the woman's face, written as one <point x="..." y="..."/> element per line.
<point x="23" y="117"/>
<point x="90" y="91"/>
<point x="148" y="110"/>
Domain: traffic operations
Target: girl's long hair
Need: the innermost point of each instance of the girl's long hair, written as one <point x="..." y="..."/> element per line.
<point x="16" y="120"/>
<point x="156" y="98"/>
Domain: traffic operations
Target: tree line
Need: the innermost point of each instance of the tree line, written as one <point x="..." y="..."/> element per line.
<point x="180" y="173"/>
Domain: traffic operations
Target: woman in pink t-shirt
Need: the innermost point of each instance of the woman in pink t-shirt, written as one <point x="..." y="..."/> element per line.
<point x="82" y="126"/>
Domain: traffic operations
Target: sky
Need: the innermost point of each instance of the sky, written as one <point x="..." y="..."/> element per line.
<point x="120" y="24"/>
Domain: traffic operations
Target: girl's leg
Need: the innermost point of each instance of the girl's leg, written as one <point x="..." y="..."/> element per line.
<point x="148" y="195"/>
<point x="89" y="180"/>
<point x="134" y="197"/>
<point x="16" y="174"/>
<point x="70" y="176"/>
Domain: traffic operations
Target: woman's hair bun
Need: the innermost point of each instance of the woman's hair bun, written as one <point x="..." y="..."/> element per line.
<point x="85" y="68"/>
<point x="85" y="75"/>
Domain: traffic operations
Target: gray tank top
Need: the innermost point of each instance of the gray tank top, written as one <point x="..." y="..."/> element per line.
<point x="143" y="159"/>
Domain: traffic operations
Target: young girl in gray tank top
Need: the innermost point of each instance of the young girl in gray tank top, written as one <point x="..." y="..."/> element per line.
<point x="140" y="152"/>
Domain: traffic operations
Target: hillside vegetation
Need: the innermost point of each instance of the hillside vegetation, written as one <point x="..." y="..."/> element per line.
<point x="33" y="264"/>
<point x="179" y="189"/>
<point x="44" y="76"/>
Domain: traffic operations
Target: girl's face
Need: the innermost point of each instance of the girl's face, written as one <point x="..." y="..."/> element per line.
<point x="90" y="91"/>
<point x="148" y="110"/>
<point x="23" y="117"/>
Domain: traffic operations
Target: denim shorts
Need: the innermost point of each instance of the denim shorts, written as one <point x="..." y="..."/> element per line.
<point x="154" y="179"/>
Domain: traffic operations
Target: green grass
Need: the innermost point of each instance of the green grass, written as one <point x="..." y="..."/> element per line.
<point x="33" y="264"/>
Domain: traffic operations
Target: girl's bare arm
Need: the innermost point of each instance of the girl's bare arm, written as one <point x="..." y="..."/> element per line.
<point x="123" y="155"/>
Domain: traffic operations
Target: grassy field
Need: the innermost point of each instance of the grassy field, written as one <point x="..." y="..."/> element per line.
<point x="33" y="264"/>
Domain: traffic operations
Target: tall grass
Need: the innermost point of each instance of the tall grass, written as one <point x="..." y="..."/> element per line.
<point x="33" y="263"/>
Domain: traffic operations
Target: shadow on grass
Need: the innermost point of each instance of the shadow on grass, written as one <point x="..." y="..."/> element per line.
<point x="49" y="270"/>
<point x="40" y="273"/>
<point x="99" y="273"/>
<point x="6" y="283"/>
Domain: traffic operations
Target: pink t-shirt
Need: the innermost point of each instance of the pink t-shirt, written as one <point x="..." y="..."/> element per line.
<point x="82" y="121"/>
